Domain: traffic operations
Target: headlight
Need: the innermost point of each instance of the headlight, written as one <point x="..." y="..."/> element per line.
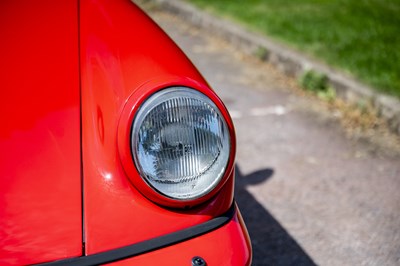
<point x="180" y="143"/>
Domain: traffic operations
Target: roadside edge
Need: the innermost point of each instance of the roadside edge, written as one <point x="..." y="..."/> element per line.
<point x="286" y="60"/>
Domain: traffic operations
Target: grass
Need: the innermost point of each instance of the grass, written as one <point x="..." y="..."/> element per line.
<point x="361" y="37"/>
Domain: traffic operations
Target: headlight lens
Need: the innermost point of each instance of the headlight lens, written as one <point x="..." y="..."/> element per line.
<point x="180" y="143"/>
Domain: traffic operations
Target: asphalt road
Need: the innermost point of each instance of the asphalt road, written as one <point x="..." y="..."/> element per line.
<point x="309" y="193"/>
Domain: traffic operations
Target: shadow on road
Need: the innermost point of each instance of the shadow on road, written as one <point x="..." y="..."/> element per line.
<point x="272" y="245"/>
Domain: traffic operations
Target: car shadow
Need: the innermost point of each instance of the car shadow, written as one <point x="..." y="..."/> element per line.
<point x="272" y="244"/>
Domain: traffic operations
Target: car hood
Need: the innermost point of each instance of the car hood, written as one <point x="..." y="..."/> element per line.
<point x="40" y="184"/>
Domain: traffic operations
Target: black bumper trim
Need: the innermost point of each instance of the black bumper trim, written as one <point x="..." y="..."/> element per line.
<point x="148" y="245"/>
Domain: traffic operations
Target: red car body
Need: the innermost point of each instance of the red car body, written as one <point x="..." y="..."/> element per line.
<point x="73" y="76"/>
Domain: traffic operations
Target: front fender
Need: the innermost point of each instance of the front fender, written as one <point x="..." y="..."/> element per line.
<point x="121" y="49"/>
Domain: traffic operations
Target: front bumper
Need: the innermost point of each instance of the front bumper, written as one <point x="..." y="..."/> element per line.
<point x="220" y="241"/>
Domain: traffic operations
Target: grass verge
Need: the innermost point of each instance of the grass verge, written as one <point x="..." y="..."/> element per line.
<point x="360" y="37"/>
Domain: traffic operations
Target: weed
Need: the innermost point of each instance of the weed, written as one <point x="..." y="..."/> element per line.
<point x="261" y="53"/>
<point x="317" y="83"/>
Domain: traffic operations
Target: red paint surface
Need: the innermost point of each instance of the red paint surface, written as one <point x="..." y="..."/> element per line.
<point x="121" y="50"/>
<point x="226" y="246"/>
<point x="40" y="191"/>
<point x="123" y="54"/>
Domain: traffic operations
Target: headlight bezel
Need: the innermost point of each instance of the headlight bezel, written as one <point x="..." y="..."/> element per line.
<point x="129" y="112"/>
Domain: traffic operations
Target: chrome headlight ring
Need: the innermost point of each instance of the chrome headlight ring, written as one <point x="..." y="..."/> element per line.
<point x="180" y="143"/>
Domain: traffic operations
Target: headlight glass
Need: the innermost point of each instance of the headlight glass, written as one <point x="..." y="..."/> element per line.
<point x="180" y="143"/>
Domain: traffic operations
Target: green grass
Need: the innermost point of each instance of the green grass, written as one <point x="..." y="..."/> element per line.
<point x="361" y="37"/>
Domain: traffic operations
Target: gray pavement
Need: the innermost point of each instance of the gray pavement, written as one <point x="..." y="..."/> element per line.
<point x="309" y="194"/>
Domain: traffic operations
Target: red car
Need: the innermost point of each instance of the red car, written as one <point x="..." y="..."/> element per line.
<point x="114" y="149"/>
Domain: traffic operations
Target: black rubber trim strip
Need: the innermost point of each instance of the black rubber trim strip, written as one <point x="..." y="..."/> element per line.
<point x="148" y="245"/>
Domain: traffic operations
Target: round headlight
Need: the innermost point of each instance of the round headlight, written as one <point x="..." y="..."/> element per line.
<point x="180" y="143"/>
